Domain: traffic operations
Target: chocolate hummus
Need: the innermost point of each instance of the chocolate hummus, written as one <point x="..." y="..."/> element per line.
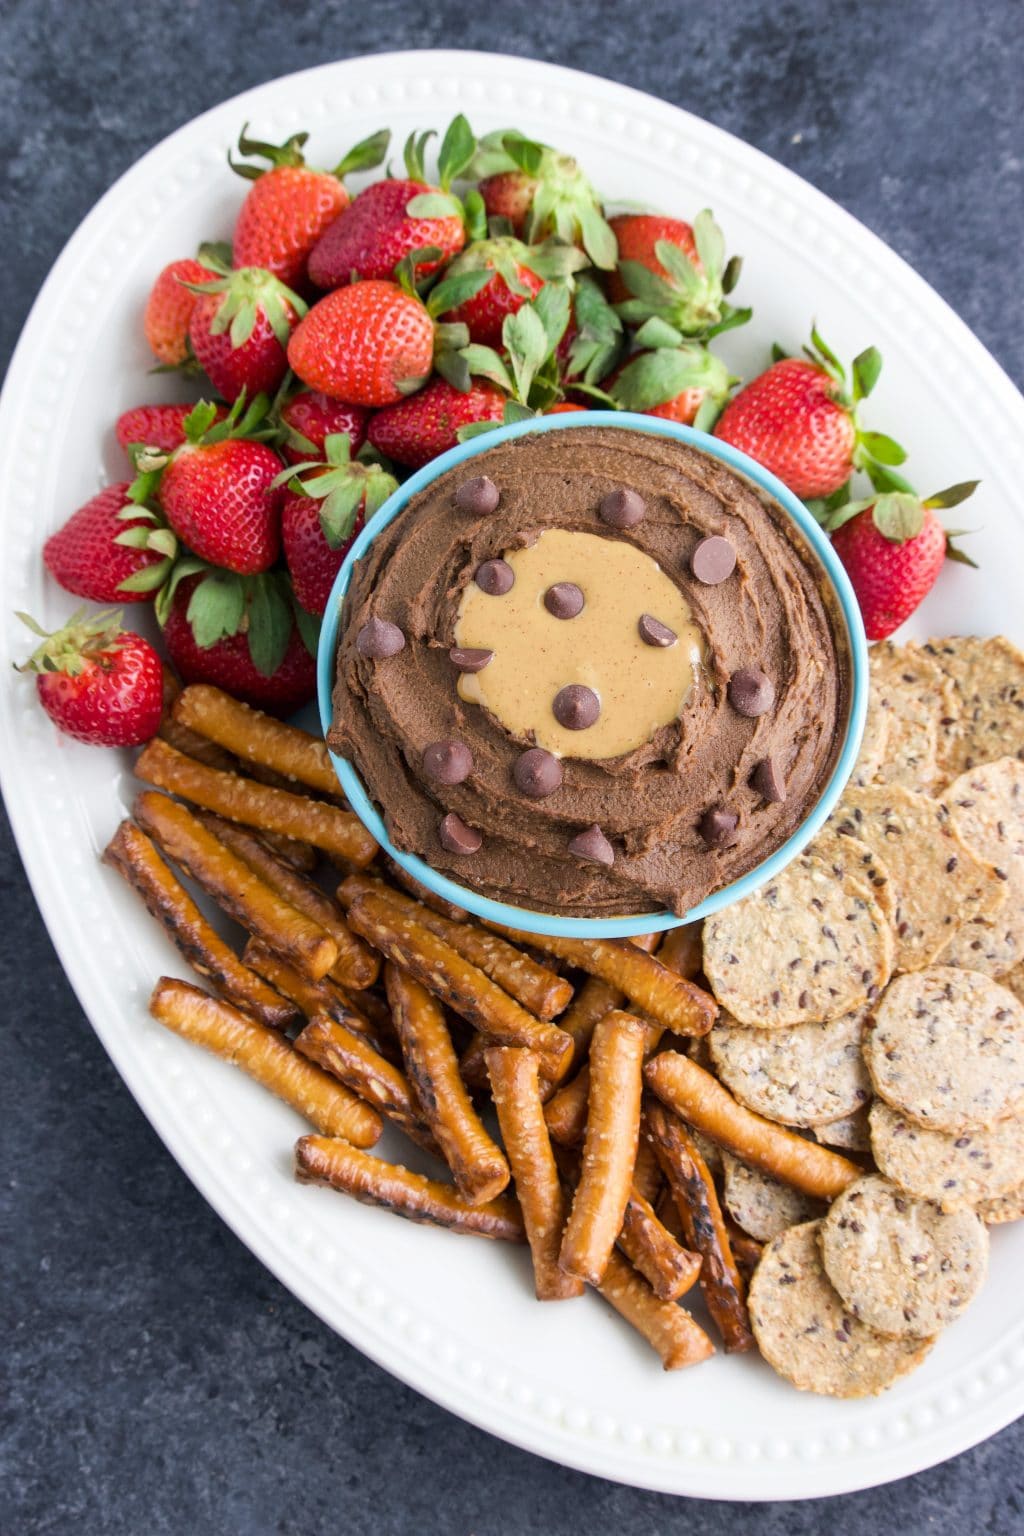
<point x="764" y="686"/>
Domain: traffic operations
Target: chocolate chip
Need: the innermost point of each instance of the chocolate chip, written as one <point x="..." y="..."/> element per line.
<point x="537" y="773"/>
<point x="378" y="639"/>
<point x="654" y="632"/>
<point x="593" y="846"/>
<point x="717" y="827"/>
<point x="478" y="496"/>
<point x="751" y="691"/>
<point x="449" y="762"/>
<point x="456" y="837"/>
<point x="713" y="561"/>
<point x="622" y="508"/>
<point x="495" y="577"/>
<point x="576" y="707"/>
<point x="564" y="600"/>
<point x="769" y="781"/>
<point x="469" y="658"/>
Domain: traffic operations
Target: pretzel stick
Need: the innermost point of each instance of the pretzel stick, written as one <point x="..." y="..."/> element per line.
<point x="133" y="855"/>
<point x="669" y="1269"/>
<point x="703" y="1226"/>
<point x="353" y="1061"/>
<point x="566" y="1113"/>
<point x="514" y="1083"/>
<point x="179" y="736"/>
<point x="372" y="1181"/>
<point x="316" y="997"/>
<point x="649" y="986"/>
<point x="257" y="738"/>
<point x="413" y="887"/>
<point x="540" y="990"/>
<point x="746" y="1250"/>
<point x="682" y="950"/>
<point x="234" y="886"/>
<point x="478" y="1167"/>
<point x="609" y="1146"/>
<point x="357" y="966"/>
<point x="264" y="1055"/>
<point x="464" y="988"/>
<point x="665" y="1325"/>
<point x="256" y="805"/>
<point x="300" y="856"/>
<point x="701" y="1100"/>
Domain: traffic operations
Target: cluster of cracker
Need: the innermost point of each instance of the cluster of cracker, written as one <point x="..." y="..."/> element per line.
<point x="872" y="999"/>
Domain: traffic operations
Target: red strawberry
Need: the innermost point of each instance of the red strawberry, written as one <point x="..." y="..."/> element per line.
<point x="98" y="682"/>
<point x="513" y="282"/>
<point x="169" y="310"/>
<point x="204" y="649"/>
<point x="370" y="344"/>
<point x="674" y="272"/>
<point x="217" y="491"/>
<point x="893" y="549"/>
<point x="674" y="383"/>
<point x="240" y="328"/>
<point x="542" y="192"/>
<point x="798" y="420"/>
<point x="415" y="431"/>
<point x="156" y="426"/>
<point x="324" y="508"/>
<point x="391" y="219"/>
<point x="111" y="550"/>
<point x="290" y="205"/>
<point x="562" y="408"/>
<point x="310" y="418"/>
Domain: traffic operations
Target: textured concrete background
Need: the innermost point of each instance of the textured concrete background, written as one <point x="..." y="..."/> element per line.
<point x="159" y="1381"/>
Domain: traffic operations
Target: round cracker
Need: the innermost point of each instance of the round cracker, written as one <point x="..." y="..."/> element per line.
<point x="874" y="742"/>
<point x="761" y="1205"/>
<point x="846" y="855"/>
<point x="938" y="882"/>
<point x="987" y="807"/>
<point x="1015" y="981"/>
<point x="806" y="1074"/>
<point x="916" y="695"/>
<point x="806" y="1334"/>
<point x="1008" y="1207"/>
<point x="955" y="1170"/>
<point x="804" y="948"/>
<point x="905" y="1266"/>
<point x="946" y="1047"/>
<point x="850" y="1132"/>
<point x="988" y="677"/>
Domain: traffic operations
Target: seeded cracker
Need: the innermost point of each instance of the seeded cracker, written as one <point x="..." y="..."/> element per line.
<point x="938" y="882"/>
<point x="804" y="948"/>
<point x="804" y="1075"/>
<point x="874" y="743"/>
<point x="847" y="855"/>
<point x="761" y="1205"/>
<point x="808" y="1336"/>
<point x="1009" y="1207"/>
<point x="850" y="1133"/>
<point x="988" y="676"/>
<point x="905" y="1266"/>
<point x="915" y="694"/>
<point x="987" y="807"/>
<point x="955" y="1170"/>
<point x="946" y="1047"/>
<point x="1015" y="981"/>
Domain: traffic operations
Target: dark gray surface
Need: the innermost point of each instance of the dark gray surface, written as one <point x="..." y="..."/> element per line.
<point x="160" y="1381"/>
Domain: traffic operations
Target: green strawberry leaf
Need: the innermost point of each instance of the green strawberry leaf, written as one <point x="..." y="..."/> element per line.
<point x="339" y="508"/>
<point x="475" y="214"/>
<point x="147" y="579"/>
<point x="881" y="477"/>
<point x="516" y="411"/>
<point x="456" y="289"/>
<point x="954" y="552"/>
<point x="525" y="154"/>
<point x="731" y="319"/>
<point x="678" y="266"/>
<point x="216" y="607"/>
<point x="710" y="243"/>
<point x="650" y="288"/>
<point x="433" y="205"/>
<point x="526" y="343"/>
<point x="414" y="154"/>
<point x="307" y="624"/>
<point x="487" y="363"/>
<point x="898" y="516"/>
<point x="656" y="332"/>
<point x="454" y="369"/>
<point x="554" y="258"/>
<point x="599" y="240"/>
<point x="867" y="366"/>
<point x="476" y="429"/>
<point x="883" y="448"/>
<point x="216" y="255"/>
<point x="270" y="624"/>
<point x="162" y="541"/>
<point x="365" y="155"/>
<point x="778" y="354"/>
<point x="134" y="538"/>
<point x="199" y="420"/>
<point x="825" y="353"/>
<point x="553" y="307"/>
<point x="655" y="377"/>
<point x="953" y="495"/>
<point x="731" y="275"/>
<point x="708" y="413"/>
<point x="457" y="150"/>
<point x="379" y="487"/>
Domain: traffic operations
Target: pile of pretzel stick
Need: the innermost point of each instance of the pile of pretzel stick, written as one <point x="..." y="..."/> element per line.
<point x="553" y="1080"/>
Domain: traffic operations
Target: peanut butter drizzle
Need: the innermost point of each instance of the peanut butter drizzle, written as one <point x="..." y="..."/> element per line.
<point x="641" y="687"/>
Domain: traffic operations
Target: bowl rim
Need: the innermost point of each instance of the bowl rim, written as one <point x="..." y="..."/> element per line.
<point x="628" y="926"/>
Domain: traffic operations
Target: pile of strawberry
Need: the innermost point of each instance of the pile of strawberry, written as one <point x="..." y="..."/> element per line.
<point x="342" y="341"/>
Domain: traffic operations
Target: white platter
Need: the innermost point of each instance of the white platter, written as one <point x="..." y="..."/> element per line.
<point x="456" y="1318"/>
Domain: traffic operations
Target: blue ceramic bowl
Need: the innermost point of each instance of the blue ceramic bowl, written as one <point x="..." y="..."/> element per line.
<point x="602" y="927"/>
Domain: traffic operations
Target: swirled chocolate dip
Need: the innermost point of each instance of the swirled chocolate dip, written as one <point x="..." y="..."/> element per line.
<point x="502" y="659"/>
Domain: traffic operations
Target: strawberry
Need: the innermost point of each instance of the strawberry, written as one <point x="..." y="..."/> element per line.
<point x="391" y="219"/>
<point x="676" y="272"/>
<point x="217" y="491"/>
<point x="323" y="509"/>
<point x="800" y="422"/>
<point x="510" y="282"/>
<point x="161" y="427"/>
<point x="893" y="548"/>
<point x="240" y="328"/>
<point x="310" y="418"/>
<point x="169" y="310"/>
<point x="245" y="635"/>
<point x="290" y="205"/>
<point x="97" y="682"/>
<point x="369" y="344"/>
<point x="541" y="192"/>
<point x="562" y="408"/>
<point x="416" y="430"/>
<point x="683" y="382"/>
<point x="111" y="550"/>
